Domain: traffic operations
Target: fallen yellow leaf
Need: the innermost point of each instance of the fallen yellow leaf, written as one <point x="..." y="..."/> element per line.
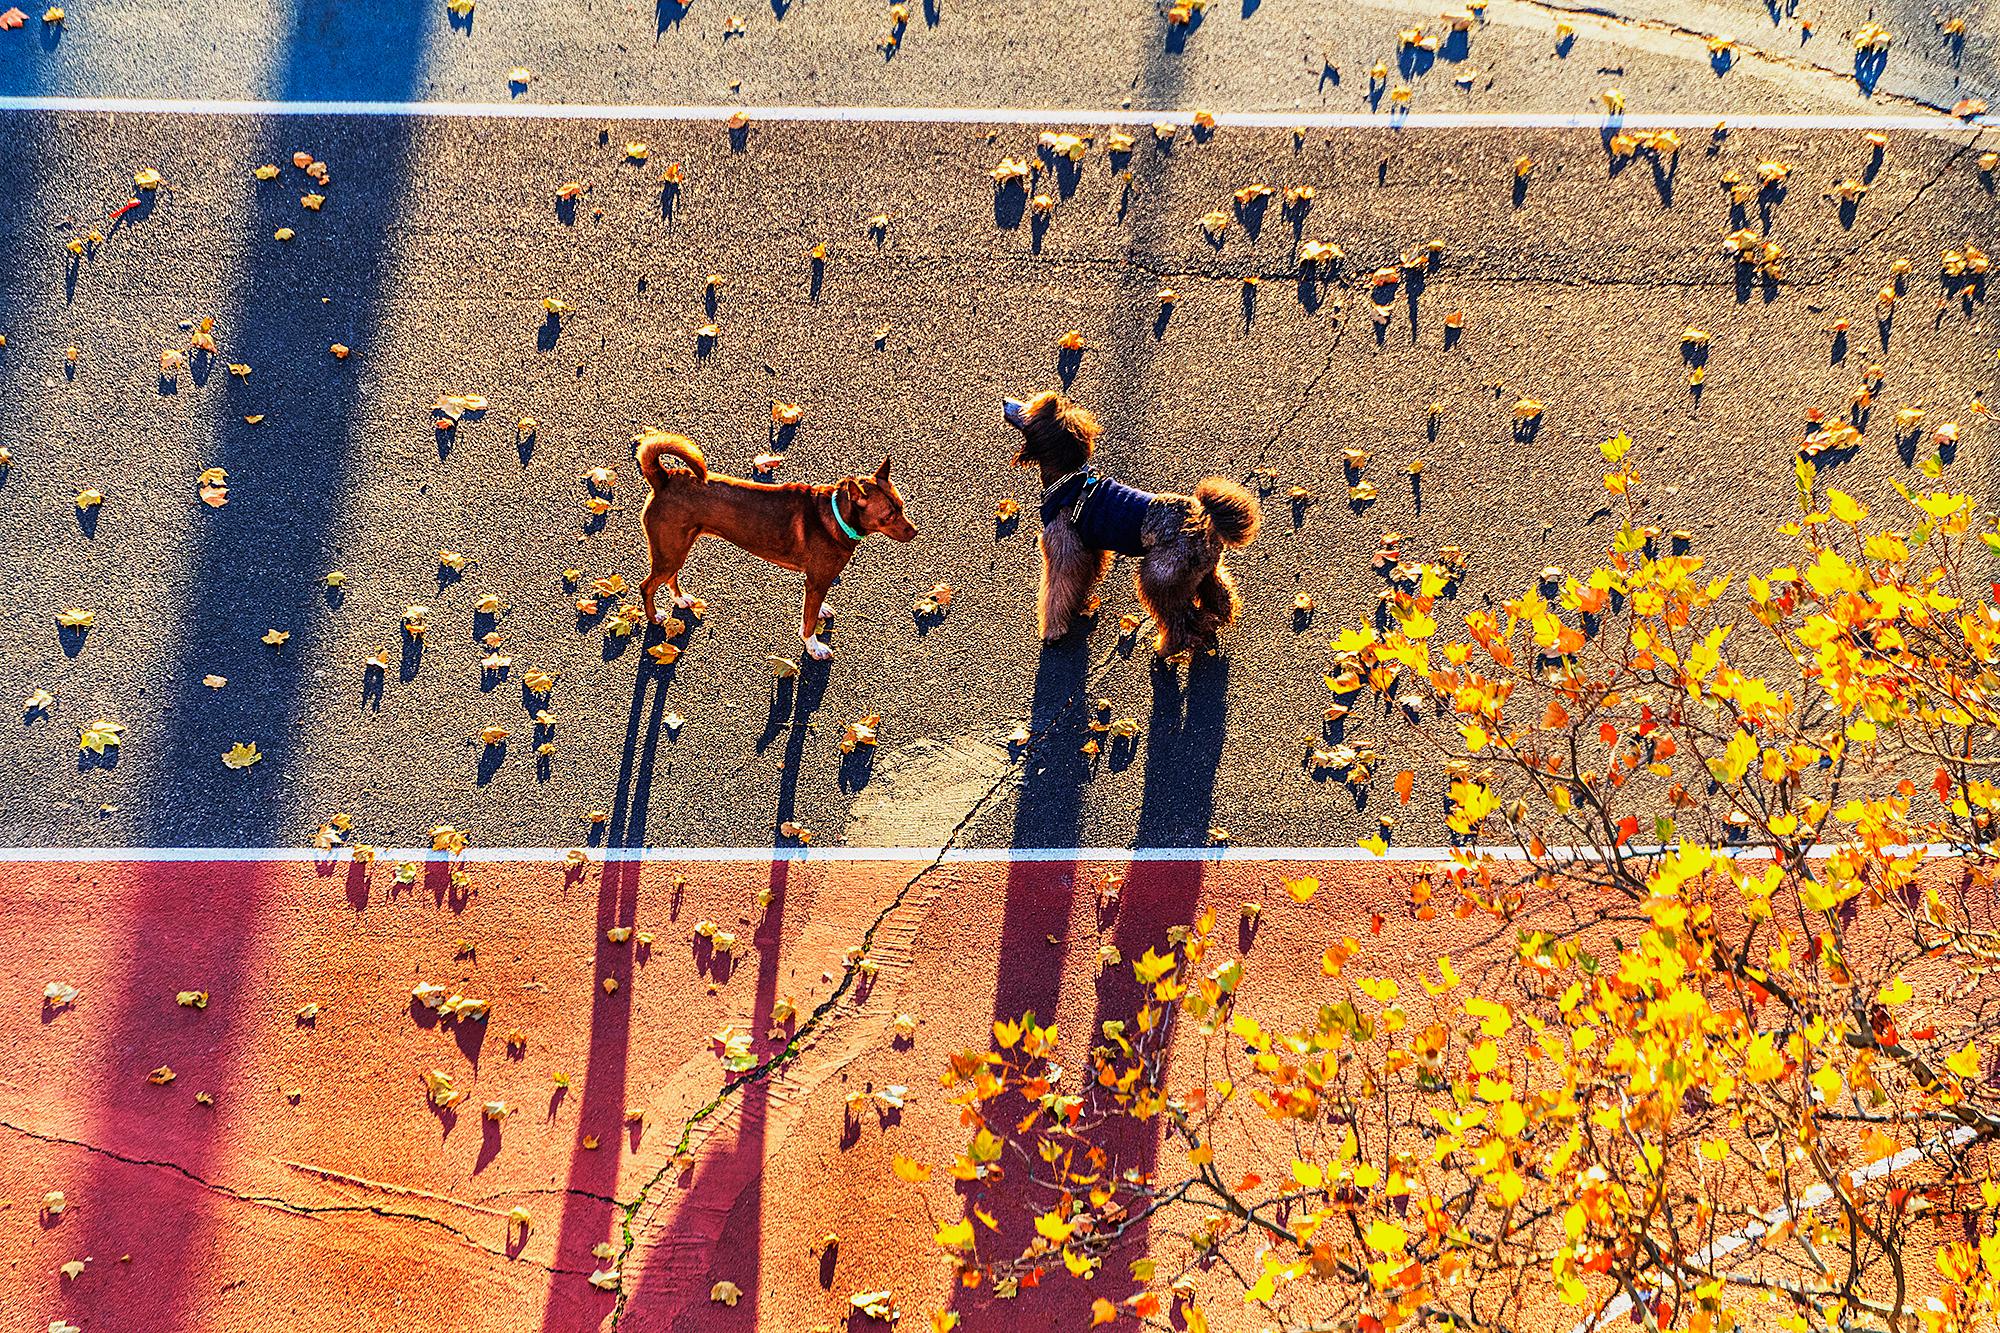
<point x="100" y="734"/>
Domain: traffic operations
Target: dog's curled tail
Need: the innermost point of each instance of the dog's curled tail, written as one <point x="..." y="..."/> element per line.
<point x="1230" y="510"/>
<point x="655" y="446"/>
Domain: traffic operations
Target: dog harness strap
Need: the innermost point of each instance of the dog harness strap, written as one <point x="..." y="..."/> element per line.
<point x="1049" y="490"/>
<point x="1065" y="493"/>
<point x="833" y="503"/>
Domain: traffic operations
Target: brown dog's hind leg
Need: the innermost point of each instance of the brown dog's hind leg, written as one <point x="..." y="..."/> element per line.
<point x="669" y="551"/>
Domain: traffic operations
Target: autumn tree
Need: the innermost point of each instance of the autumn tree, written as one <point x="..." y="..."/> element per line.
<point x="1733" y="1068"/>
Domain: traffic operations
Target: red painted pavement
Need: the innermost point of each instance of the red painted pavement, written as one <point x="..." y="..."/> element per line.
<point x="321" y="1189"/>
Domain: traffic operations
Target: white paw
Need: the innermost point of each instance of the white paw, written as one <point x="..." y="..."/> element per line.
<point x="660" y="617"/>
<point x="685" y="600"/>
<point x="826" y="610"/>
<point x="816" y="648"/>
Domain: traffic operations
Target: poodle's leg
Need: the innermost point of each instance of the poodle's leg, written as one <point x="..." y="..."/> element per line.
<point x="1168" y="593"/>
<point x="1070" y="571"/>
<point x="1216" y="601"/>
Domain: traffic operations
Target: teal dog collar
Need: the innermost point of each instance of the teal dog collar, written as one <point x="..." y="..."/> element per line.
<point x="833" y="503"/>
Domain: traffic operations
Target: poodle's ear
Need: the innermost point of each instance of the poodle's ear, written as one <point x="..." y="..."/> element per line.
<point x="1079" y="423"/>
<point x="882" y="473"/>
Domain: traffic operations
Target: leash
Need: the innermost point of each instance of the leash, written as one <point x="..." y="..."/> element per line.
<point x="833" y="503"/>
<point x="1083" y="494"/>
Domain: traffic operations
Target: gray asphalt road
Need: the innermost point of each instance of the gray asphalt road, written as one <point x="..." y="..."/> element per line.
<point x="431" y="257"/>
<point x="1235" y="54"/>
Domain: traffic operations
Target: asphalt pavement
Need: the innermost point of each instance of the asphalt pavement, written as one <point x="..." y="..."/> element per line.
<point x="432" y="257"/>
<point x="1782" y="56"/>
<point x="223" y="367"/>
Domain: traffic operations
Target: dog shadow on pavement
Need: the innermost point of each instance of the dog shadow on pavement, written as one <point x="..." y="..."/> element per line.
<point x="1183" y="748"/>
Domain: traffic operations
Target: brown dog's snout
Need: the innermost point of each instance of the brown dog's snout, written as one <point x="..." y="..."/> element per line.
<point x="899" y="528"/>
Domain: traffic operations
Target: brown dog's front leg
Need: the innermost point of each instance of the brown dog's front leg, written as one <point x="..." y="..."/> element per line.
<point x="809" y="626"/>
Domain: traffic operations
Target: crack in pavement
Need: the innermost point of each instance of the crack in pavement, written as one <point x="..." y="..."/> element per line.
<point x="288" y="1206"/>
<point x="1916" y="196"/>
<point x="1752" y="56"/>
<point x="483" y="1205"/>
<point x="1305" y="398"/>
<point x="822" y="1014"/>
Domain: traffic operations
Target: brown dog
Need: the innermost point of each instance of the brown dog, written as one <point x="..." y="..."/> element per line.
<point x="1087" y="518"/>
<point x="813" y="529"/>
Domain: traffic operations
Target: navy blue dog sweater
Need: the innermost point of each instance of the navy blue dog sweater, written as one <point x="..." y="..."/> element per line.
<point x="1108" y="515"/>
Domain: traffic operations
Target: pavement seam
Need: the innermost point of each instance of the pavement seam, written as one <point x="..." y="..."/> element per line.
<point x="999" y="116"/>
<point x="1458" y="272"/>
<point x="284" y="1205"/>
<point x="483" y="1204"/>
<point x="811" y="1028"/>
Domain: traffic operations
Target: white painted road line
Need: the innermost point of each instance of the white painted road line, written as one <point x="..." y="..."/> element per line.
<point x="952" y="115"/>
<point x="1813" y="1198"/>
<point x="761" y="855"/>
<point x="721" y="855"/>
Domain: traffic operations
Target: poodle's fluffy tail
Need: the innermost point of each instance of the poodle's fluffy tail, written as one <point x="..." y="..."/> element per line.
<point x="1230" y="510"/>
<point x="656" y="446"/>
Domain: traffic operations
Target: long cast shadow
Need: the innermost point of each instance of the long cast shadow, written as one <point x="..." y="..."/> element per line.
<point x="32" y="274"/>
<point x="712" y="1243"/>
<point x="1183" y="754"/>
<point x="259" y="563"/>
<point x="1183" y="751"/>
<point x="1184" y="740"/>
<point x="1048" y="813"/>
<point x="30" y="300"/>
<point x="571" y="1306"/>
<point x="1039" y="900"/>
<point x="669" y="1292"/>
<point x="188" y="931"/>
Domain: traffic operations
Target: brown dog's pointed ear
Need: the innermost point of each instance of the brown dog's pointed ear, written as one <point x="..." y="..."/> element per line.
<point x="882" y="473"/>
